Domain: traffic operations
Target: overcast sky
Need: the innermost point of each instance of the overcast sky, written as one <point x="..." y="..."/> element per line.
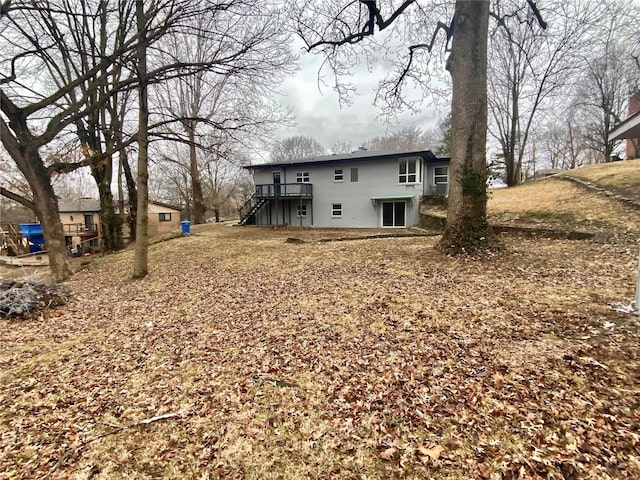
<point x="319" y="114"/>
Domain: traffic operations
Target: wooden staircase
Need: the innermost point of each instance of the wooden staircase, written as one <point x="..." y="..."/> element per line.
<point x="12" y="242"/>
<point x="250" y="208"/>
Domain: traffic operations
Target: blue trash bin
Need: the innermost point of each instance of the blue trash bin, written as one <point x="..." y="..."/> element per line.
<point x="186" y="227"/>
<point x="33" y="233"/>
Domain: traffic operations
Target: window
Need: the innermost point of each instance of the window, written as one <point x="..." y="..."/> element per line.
<point x="302" y="177"/>
<point x="164" y="217"/>
<point x="302" y="210"/>
<point x="441" y="175"/>
<point x="336" y="210"/>
<point x="408" y="170"/>
<point x="338" y="175"/>
<point x="354" y="174"/>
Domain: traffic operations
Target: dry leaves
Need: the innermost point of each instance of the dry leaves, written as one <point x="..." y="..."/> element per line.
<point x="360" y="359"/>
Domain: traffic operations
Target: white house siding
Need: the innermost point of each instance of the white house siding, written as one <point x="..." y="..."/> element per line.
<point x="376" y="178"/>
<point x="429" y="177"/>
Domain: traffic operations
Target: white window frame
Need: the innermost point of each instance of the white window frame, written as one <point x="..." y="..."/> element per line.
<point x="336" y="210"/>
<point x="302" y="177"/>
<point x="302" y="210"/>
<point x="437" y="177"/>
<point x="354" y="174"/>
<point x="409" y="177"/>
<point x="338" y="175"/>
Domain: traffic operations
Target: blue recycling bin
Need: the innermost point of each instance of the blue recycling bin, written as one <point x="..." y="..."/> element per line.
<point x="33" y="233"/>
<point x="186" y="227"/>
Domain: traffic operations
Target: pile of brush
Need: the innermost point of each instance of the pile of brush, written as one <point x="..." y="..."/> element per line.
<point x="20" y="298"/>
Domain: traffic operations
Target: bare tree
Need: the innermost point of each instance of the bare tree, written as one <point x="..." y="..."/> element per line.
<point x="406" y="138"/>
<point x="211" y="109"/>
<point x="39" y="37"/>
<point x="295" y="148"/>
<point x="467" y="228"/>
<point x="140" y="265"/>
<point x="35" y="113"/>
<point x="342" y="147"/>
<point x="528" y="66"/>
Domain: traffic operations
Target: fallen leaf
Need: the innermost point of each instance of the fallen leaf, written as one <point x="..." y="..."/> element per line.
<point x="388" y="453"/>
<point x="433" y="453"/>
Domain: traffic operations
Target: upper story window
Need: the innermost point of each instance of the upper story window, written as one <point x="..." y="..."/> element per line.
<point x="164" y="217"/>
<point x="354" y="174"/>
<point x="338" y="175"/>
<point x="302" y="177"/>
<point x="408" y="170"/>
<point x="440" y="175"/>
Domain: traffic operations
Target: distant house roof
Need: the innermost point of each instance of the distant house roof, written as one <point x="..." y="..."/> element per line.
<point x="166" y="205"/>
<point x="427" y="155"/>
<point x="630" y="128"/>
<point x="80" y="205"/>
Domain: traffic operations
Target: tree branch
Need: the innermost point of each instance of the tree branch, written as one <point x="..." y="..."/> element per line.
<point x="536" y="12"/>
<point x="368" y="30"/>
<point x="24" y="201"/>
<point x="4" y="8"/>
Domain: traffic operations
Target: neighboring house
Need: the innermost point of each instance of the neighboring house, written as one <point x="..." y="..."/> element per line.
<point x="163" y="218"/>
<point x="361" y="189"/>
<point x="629" y="129"/>
<point x="81" y="224"/>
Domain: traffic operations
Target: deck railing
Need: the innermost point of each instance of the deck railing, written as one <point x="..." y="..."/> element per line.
<point x="276" y="190"/>
<point x="79" y="229"/>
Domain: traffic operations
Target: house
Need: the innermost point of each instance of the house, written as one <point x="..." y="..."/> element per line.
<point x="629" y="129"/>
<point x="163" y="218"/>
<point x="361" y="189"/>
<point x="81" y="224"/>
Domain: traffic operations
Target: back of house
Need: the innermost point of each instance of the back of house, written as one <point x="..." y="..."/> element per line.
<point x="360" y="189"/>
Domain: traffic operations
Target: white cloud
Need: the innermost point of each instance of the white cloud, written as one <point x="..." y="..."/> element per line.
<point x="318" y="113"/>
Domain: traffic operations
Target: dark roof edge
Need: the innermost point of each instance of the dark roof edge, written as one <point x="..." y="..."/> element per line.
<point x="427" y="155"/>
<point x="166" y="205"/>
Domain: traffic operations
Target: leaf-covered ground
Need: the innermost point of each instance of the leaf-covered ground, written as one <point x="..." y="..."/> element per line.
<point x="244" y="356"/>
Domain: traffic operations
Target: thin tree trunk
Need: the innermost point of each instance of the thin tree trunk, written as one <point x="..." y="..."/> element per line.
<point x="132" y="194"/>
<point x="140" y="268"/>
<point x="467" y="230"/>
<point x="121" y="154"/>
<point x="194" y="171"/>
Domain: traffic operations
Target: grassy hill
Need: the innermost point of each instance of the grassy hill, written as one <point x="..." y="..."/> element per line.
<point x="598" y="199"/>
<point x="245" y="356"/>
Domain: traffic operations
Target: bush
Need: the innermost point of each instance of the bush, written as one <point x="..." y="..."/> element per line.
<point x="18" y="299"/>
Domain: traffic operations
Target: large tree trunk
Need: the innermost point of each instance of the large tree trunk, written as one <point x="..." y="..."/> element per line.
<point x="46" y="208"/>
<point x="140" y="267"/>
<point x="45" y="202"/>
<point x="467" y="230"/>
<point x="110" y="222"/>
